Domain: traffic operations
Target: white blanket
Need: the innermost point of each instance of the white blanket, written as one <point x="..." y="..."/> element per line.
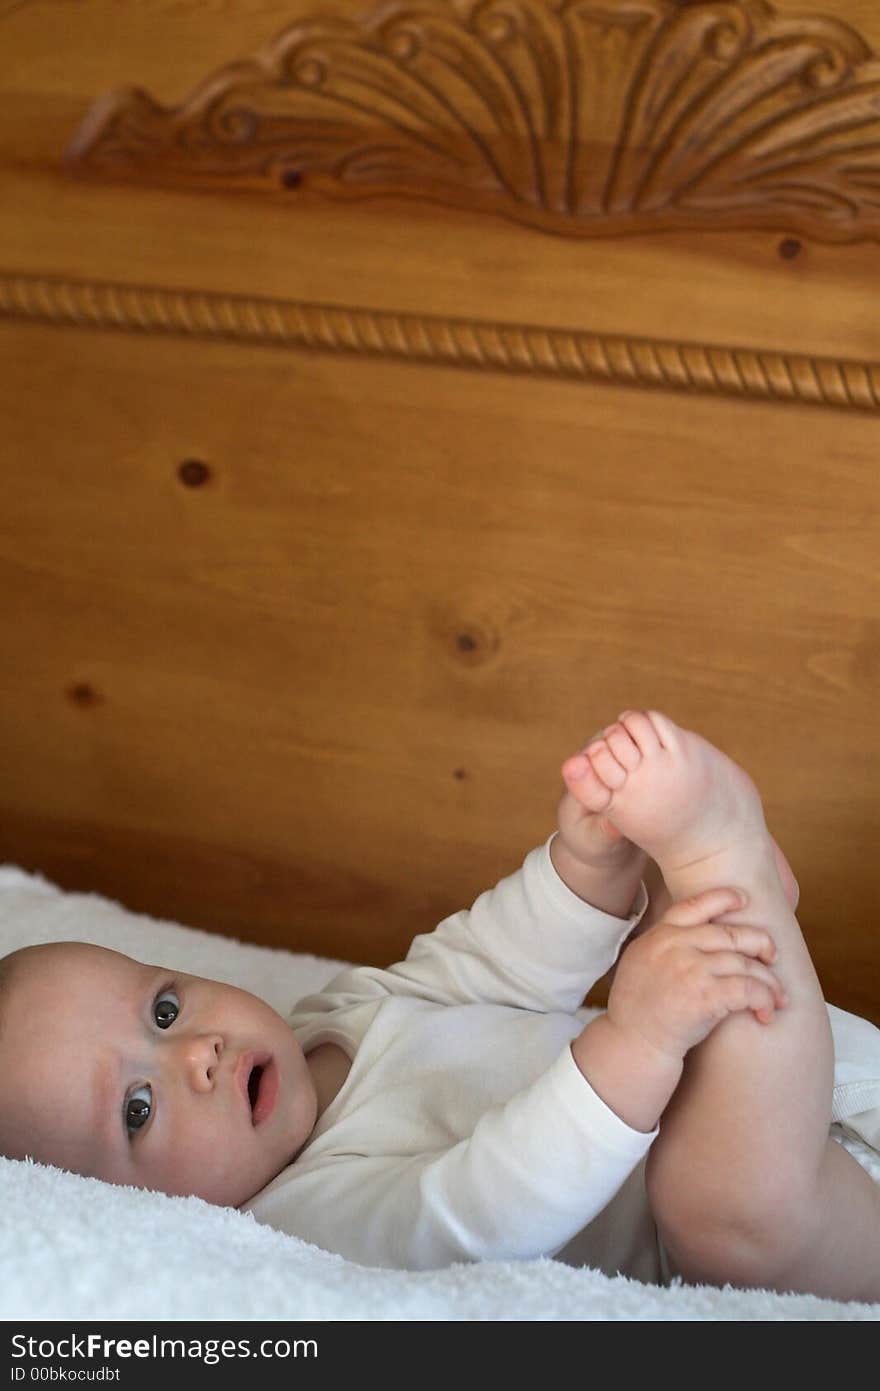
<point x="75" y="1248"/>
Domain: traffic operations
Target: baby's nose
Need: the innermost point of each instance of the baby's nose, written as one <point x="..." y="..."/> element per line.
<point x="199" y="1055"/>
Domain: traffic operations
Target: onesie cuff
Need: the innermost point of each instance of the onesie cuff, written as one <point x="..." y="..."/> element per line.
<point x="605" y="1125"/>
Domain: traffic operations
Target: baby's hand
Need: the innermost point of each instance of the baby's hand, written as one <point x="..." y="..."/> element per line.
<point x="589" y="837"/>
<point x="593" y="858"/>
<point x="688" y="972"/>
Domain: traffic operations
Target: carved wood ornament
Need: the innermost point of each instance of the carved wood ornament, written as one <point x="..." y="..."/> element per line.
<point x="586" y="117"/>
<point x="755" y="374"/>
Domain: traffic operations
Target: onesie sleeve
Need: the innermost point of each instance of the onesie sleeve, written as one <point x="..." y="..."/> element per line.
<point x="528" y="942"/>
<point x="534" y="1172"/>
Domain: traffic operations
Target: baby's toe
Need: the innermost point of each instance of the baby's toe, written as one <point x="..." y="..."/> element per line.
<point x="642" y="731"/>
<point x="623" y="746"/>
<point x="605" y="765"/>
<point x="666" y="729"/>
<point x="584" y="785"/>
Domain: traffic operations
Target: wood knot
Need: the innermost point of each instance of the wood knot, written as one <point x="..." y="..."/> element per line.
<point x="193" y="473"/>
<point x="475" y="643"/>
<point x="789" y="247"/>
<point x="82" y="694"/>
<point x="468" y="635"/>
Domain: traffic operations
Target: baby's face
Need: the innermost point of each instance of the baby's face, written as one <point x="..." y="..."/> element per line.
<point x="142" y="1075"/>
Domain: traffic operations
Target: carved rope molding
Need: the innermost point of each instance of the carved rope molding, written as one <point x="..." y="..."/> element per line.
<point x="586" y="117"/>
<point x="695" y="368"/>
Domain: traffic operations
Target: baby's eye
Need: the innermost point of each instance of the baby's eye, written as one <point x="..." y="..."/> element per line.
<point x="166" y="1008"/>
<point x="137" y="1108"/>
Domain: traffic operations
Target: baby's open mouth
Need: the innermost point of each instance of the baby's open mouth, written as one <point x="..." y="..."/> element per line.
<point x="254" y="1084"/>
<point x="259" y="1078"/>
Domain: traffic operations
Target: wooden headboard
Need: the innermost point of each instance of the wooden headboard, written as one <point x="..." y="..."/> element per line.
<point x="390" y="395"/>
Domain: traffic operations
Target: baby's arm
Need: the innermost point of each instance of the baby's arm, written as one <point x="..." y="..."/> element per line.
<point x="542" y="937"/>
<point x="538" y="1168"/>
<point x="530" y="942"/>
<point x="672" y="986"/>
<point x="535" y="1169"/>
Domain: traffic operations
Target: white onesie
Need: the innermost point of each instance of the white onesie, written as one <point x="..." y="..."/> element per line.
<point x="464" y="1130"/>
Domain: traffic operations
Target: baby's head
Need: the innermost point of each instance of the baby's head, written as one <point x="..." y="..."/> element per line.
<point x="145" y="1076"/>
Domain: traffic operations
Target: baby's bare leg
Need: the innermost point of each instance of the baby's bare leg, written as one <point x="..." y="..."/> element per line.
<point x="659" y="897"/>
<point x="745" y="1184"/>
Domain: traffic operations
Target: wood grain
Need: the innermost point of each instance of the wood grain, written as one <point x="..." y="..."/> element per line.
<point x="761" y="289"/>
<point x="337" y="677"/>
<point x="579" y="119"/>
<point x="295" y="641"/>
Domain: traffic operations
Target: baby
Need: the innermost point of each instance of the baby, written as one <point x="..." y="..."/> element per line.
<point x="460" y="1105"/>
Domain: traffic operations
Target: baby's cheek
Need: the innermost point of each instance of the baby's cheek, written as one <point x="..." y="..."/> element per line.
<point x="228" y="1173"/>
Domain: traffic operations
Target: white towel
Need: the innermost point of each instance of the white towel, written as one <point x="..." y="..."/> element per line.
<point x="76" y="1248"/>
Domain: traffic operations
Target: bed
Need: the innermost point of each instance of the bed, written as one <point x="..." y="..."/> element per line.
<point x="391" y="394"/>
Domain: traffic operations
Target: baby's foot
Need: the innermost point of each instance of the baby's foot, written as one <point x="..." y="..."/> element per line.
<point x="689" y="806"/>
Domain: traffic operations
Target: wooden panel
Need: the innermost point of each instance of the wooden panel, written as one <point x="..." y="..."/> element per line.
<point x="713" y="286"/>
<point x="321" y="699"/>
<point x="317" y="693"/>
<point x="572" y="118"/>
